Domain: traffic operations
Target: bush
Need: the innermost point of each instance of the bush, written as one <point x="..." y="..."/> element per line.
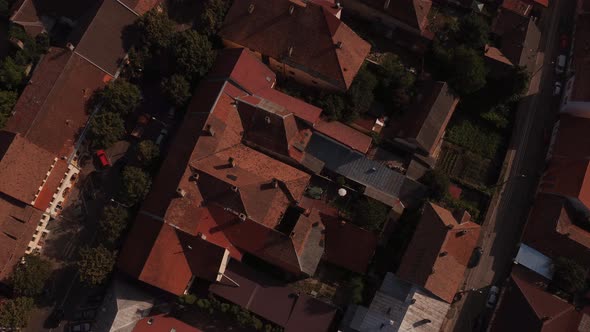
<point x="15" y="313"/>
<point x="569" y="276"/>
<point x="11" y="74"/>
<point x="356" y="288"/>
<point x="369" y="213"/>
<point x="360" y="96"/>
<point x="188" y="299"/>
<point x="7" y="102"/>
<point x="333" y="105"/>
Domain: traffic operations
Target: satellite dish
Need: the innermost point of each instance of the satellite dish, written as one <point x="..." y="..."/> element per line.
<point x="341" y="192"/>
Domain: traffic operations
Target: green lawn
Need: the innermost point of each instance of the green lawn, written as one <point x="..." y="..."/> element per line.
<point x="479" y="139"/>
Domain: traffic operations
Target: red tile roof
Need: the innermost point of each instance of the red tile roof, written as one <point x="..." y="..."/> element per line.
<point x="581" y="58"/>
<point x="437" y="256"/>
<point x="163" y="323"/>
<point x="53" y="182"/>
<point x="173" y="258"/>
<point x="568" y="177"/>
<point x="244" y="69"/>
<point x="23" y="167"/>
<point x="521" y="7"/>
<point x="18" y="221"/>
<point x="237" y="205"/>
<point x="52" y="109"/>
<point x="104" y="42"/>
<point x="527" y="306"/>
<point x="551" y="231"/>
<point x="427" y="117"/>
<point x="274" y="301"/>
<point x="344" y="134"/>
<point x="141" y="6"/>
<point x="300" y="109"/>
<point x="340" y="252"/>
<point x="311" y="32"/>
<point x="413" y="13"/>
<point x="571" y="140"/>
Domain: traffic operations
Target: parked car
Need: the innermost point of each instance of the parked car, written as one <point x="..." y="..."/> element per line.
<point x="103" y="158"/>
<point x="79" y="327"/>
<point x="475" y="257"/>
<point x="564" y="42"/>
<point x="493" y="296"/>
<point x="85" y="314"/>
<point x="163" y="134"/>
<point x="560" y="64"/>
<point x="557" y="89"/>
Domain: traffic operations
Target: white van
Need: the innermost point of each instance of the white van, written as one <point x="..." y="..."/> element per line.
<point x="560" y="65"/>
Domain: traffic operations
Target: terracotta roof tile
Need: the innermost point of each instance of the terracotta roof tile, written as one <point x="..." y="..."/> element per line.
<point x="414" y="13"/>
<point x="105" y="42"/>
<point x="244" y="69"/>
<point x="521" y="7"/>
<point x="568" y="177"/>
<point x="437" y="256"/>
<point x="43" y="114"/>
<point x="527" y="306"/>
<point x="312" y="33"/>
<point x="23" y="167"/>
<point x="346" y="135"/>
<point x="551" y="231"/>
<point x="571" y="140"/>
<point x="163" y="323"/>
<point x="300" y="109"/>
<point x="141" y="6"/>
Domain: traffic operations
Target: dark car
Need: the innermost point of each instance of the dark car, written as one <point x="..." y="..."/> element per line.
<point x="475" y="257"/>
<point x="54" y="319"/>
<point x="85" y="314"/>
<point x="79" y="327"/>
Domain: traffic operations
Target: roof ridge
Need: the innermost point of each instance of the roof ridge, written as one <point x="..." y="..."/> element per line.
<point x="327" y="15"/>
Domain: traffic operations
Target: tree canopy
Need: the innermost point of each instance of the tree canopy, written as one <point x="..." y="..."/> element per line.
<point x="437" y="183"/>
<point x="332" y="105"/>
<point x="473" y="31"/>
<point x="360" y="95"/>
<point x="14" y="313"/>
<point x="105" y="129"/>
<point x="119" y="97"/>
<point x="213" y="15"/>
<point x="11" y="74"/>
<point x="155" y="30"/>
<point x="177" y="90"/>
<point x="113" y="222"/>
<point x="29" y="279"/>
<point x="135" y="185"/>
<point x="395" y="82"/>
<point x="95" y="264"/>
<point x="467" y="72"/>
<point x="7" y="102"/>
<point x="193" y="54"/>
<point x="147" y="152"/>
<point x="569" y="276"/>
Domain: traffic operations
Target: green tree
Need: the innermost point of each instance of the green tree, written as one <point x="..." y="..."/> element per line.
<point x="147" y="152"/>
<point x="332" y="104"/>
<point x="193" y="54"/>
<point x="135" y="185"/>
<point x="213" y="15"/>
<point x="437" y="183"/>
<point x="467" y="72"/>
<point x="29" y="279"/>
<point x="360" y="95"/>
<point x="474" y="31"/>
<point x="177" y="90"/>
<point x="11" y="74"/>
<point x="113" y="222"/>
<point x="95" y="264"/>
<point x="569" y="276"/>
<point x="105" y="129"/>
<point x="119" y="97"/>
<point x="369" y="213"/>
<point x="155" y="30"/>
<point x="7" y="102"/>
<point x="356" y="288"/>
<point x="395" y="83"/>
<point x="14" y="313"/>
<point x="516" y="83"/>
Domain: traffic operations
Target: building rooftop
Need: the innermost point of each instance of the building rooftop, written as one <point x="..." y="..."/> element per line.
<point x="273" y="300"/>
<point x="439" y="252"/>
<point x="521" y="7"/>
<point x="307" y="39"/>
<point x="567" y="177"/>
<point x="53" y="107"/>
<point x="527" y="306"/>
<point x="346" y="135"/>
<point x="551" y="230"/>
<point x="581" y="59"/>
<point x="427" y="116"/>
<point x="571" y="140"/>
<point x="534" y="261"/>
<point x="163" y="323"/>
<point x="398" y="306"/>
<point x="519" y="37"/>
<point x="413" y="13"/>
<point x="106" y="40"/>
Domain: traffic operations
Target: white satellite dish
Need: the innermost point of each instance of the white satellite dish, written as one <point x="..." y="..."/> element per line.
<point x="341" y="192"/>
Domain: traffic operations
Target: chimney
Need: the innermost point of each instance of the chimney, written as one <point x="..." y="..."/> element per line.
<point x="234" y="188"/>
<point x="450" y="226"/>
<point x="180" y="192"/>
<point x="70" y="47"/>
<point x="339" y="45"/>
<point x="194" y="177"/>
<point x="275" y="183"/>
<point x="150" y="321"/>
<point x="291" y="9"/>
<point x="242" y="217"/>
<point x="290" y="50"/>
<point x="443" y="254"/>
<point x="462" y="216"/>
<point x="337" y="5"/>
<point x="232" y="162"/>
<point x="267" y="119"/>
<point x="209" y="130"/>
<point x="251" y="8"/>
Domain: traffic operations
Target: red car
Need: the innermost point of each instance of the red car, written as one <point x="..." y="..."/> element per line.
<point x="104" y="159"/>
<point x="564" y="42"/>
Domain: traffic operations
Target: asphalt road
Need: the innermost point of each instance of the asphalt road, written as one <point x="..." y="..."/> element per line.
<point x="502" y="228"/>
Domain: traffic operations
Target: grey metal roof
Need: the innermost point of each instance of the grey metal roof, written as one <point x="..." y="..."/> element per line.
<point x="369" y="173"/>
